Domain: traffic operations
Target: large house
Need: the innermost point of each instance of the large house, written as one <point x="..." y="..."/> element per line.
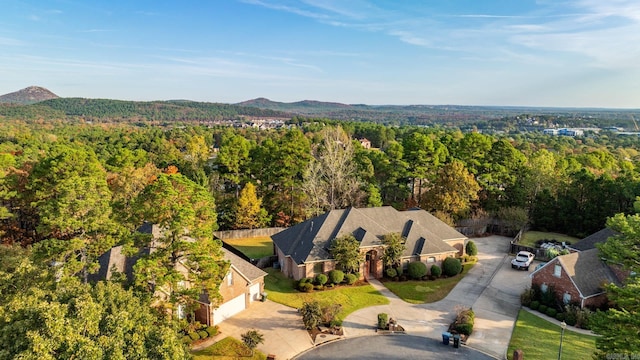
<point x="580" y="276"/>
<point x="242" y="285"/>
<point x="303" y="250"/>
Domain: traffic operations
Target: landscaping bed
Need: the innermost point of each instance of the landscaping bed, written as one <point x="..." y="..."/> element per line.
<point x="228" y="349"/>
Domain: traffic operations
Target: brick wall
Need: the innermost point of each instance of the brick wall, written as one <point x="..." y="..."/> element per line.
<point x="561" y="285"/>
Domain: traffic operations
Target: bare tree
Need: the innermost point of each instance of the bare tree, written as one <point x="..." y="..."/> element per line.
<point x="331" y="180"/>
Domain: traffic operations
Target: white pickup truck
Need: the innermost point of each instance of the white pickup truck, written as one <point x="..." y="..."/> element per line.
<point x="523" y="260"/>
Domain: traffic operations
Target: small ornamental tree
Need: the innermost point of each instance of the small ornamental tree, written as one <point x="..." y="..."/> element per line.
<point x="394" y="247"/>
<point x="252" y="339"/>
<point x="471" y="248"/>
<point x="417" y="270"/>
<point x="311" y="314"/>
<point x="346" y="251"/>
<point x="451" y="266"/>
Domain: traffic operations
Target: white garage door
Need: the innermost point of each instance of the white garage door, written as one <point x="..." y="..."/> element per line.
<point x="228" y="309"/>
<point x="254" y="292"/>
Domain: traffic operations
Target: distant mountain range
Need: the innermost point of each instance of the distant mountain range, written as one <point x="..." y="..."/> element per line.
<point x="37" y="102"/>
<point x="28" y="95"/>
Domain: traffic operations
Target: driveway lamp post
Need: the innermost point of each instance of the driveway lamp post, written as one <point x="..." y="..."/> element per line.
<point x="563" y="325"/>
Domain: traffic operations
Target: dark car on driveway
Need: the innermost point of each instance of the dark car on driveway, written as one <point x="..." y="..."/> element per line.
<point x="523" y="260"/>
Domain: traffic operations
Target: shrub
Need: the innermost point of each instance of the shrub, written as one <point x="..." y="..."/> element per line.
<point x="212" y="330"/>
<point x="403" y="277"/>
<point x="571" y="314"/>
<point x="535" y="305"/>
<point x="543" y="308"/>
<point x="383" y="319"/>
<point x="451" y="266"/>
<point x="351" y="278"/>
<point x="194" y="335"/>
<point x="335" y="323"/>
<point x="552" y="312"/>
<point x="583" y="316"/>
<point x="203" y="334"/>
<point x="318" y="287"/>
<point x="560" y="316"/>
<point x="311" y="314"/>
<point x="321" y="279"/>
<point x="548" y="297"/>
<point x="306" y="287"/>
<point x="465" y="329"/>
<point x="187" y="340"/>
<point x="391" y="273"/>
<point x="336" y="276"/>
<point x="471" y="248"/>
<point x="417" y="270"/>
<point x="526" y="297"/>
<point x="436" y="271"/>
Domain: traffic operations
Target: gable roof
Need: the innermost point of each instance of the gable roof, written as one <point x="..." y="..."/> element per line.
<point x="311" y="240"/>
<point x="586" y="270"/>
<point x="245" y="268"/>
<point x="590" y="241"/>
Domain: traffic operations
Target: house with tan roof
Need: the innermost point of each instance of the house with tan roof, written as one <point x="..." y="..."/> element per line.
<point x="303" y="249"/>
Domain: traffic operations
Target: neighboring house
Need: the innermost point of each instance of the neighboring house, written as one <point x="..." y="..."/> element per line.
<point x="577" y="278"/>
<point x="590" y="241"/>
<point x="303" y="250"/>
<point x="242" y="285"/>
<point x="366" y="143"/>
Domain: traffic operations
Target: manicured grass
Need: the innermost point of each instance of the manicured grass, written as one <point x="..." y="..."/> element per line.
<point x="254" y="247"/>
<point x="540" y="339"/>
<point x="228" y="349"/>
<point x="530" y="237"/>
<point x="425" y="291"/>
<point x="280" y="289"/>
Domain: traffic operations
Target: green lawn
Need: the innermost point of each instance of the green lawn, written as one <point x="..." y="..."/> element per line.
<point x="530" y="237"/>
<point x="425" y="291"/>
<point x="280" y="289"/>
<point x="540" y="339"/>
<point x="227" y="349"/>
<point x="254" y="247"/>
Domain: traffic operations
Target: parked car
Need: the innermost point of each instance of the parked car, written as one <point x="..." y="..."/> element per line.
<point x="522" y="261"/>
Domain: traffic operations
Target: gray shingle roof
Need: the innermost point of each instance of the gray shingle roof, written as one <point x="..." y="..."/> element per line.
<point x="587" y="271"/>
<point x="590" y="241"/>
<point x="310" y="240"/>
<point x="247" y="269"/>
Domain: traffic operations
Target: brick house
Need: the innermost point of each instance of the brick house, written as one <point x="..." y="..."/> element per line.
<point x="242" y="285"/>
<point x="577" y="278"/>
<point x="303" y="250"/>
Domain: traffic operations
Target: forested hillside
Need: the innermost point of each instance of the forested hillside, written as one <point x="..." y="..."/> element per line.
<point x="71" y="191"/>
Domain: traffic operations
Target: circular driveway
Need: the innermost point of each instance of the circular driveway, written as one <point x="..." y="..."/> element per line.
<point x="404" y="347"/>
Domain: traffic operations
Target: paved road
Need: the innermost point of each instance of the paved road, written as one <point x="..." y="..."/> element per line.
<point x="405" y="347"/>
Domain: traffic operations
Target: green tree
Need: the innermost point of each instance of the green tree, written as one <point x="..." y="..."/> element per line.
<point x="185" y="214"/>
<point x="42" y="318"/>
<point x="232" y="159"/>
<point x="249" y="212"/>
<point x="72" y="199"/>
<point x="7" y="161"/>
<point x="453" y="190"/>
<point x="618" y="326"/>
<point x="346" y="252"/>
<point x="394" y="247"/>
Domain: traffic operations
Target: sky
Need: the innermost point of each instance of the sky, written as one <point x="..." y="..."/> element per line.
<point x="566" y="53"/>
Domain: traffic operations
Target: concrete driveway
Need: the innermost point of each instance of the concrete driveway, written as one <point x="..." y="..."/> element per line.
<point x="284" y="333"/>
<point x="491" y="288"/>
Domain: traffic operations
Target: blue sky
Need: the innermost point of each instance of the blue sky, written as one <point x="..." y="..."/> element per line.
<point x="583" y="53"/>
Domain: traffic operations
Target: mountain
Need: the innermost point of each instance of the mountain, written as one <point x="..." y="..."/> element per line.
<point x="305" y="107"/>
<point x="29" y="95"/>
